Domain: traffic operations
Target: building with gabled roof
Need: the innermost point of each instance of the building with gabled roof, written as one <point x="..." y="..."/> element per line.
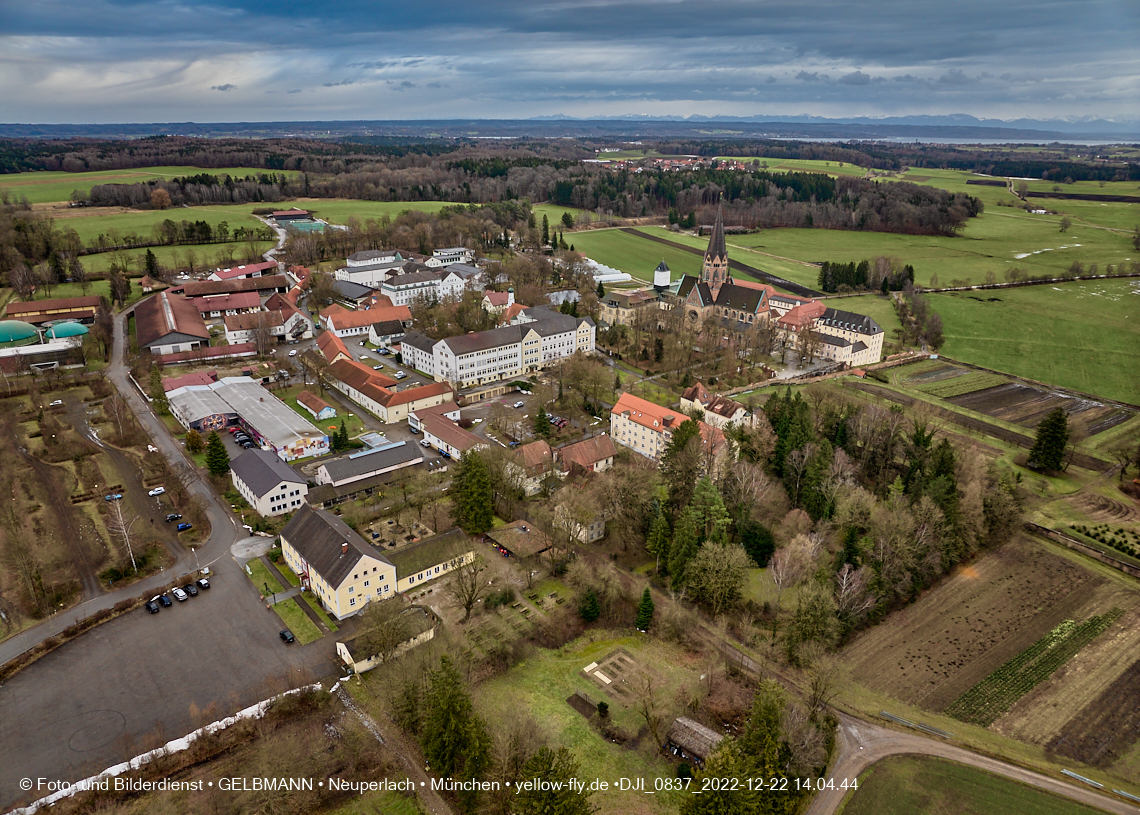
<point x="332" y="347"/>
<point x="342" y="570"/>
<point x="264" y="286"/>
<point x="647" y="428"/>
<point x="60" y="308"/>
<point x="167" y="323"/>
<point x="318" y="407"/>
<point x="346" y="323"/>
<point x="376" y="461"/>
<point x="381" y="395"/>
<point x="592" y="455"/>
<point x="440" y="427"/>
<point x="422" y="561"/>
<point x="270" y="485"/>
<point x="718" y="411"/>
<point x="246" y="270"/>
<point x="690" y="740"/>
<point x="530" y="465"/>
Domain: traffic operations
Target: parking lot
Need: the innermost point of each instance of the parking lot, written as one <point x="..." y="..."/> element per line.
<point x="134" y="682"/>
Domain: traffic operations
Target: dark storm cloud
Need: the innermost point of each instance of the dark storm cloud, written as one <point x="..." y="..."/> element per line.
<point x="102" y="59"/>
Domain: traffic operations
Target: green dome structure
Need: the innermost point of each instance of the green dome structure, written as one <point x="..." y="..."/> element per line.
<point x="62" y="330"/>
<point x="17" y="332"/>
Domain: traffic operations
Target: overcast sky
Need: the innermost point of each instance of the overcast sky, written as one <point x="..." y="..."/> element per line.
<point x="174" y="61"/>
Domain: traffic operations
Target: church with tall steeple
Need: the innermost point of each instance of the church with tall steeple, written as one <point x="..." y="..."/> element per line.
<point x="738" y="306"/>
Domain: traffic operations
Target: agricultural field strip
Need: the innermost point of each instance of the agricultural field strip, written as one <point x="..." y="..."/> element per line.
<point x="964" y="383"/>
<point x="998" y="692"/>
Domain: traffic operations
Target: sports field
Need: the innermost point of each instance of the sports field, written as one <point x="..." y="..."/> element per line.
<point x="916" y="785"/>
<point x="1083" y="335"/>
<point x="45" y="187"/>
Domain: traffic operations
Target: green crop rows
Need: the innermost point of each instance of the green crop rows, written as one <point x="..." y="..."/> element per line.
<point x="961" y="385"/>
<point x="998" y="692"/>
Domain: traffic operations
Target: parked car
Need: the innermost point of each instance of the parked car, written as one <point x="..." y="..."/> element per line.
<point x="401" y="375"/>
<point x="156" y="491"/>
<point x="190" y="589"/>
<point x="203" y="583"/>
<point x="384" y="352"/>
<point x="118" y="496"/>
<point x="182" y="527"/>
<point x="179" y="595"/>
<point x="362" y="343"/>
<point x="293" y="353"/>
<point x="287" y="635"/>
<point x="174" y="516"/>
<point x="415" y="431"/>
<point x="425" y="443"/>
<point x="162" y="598"/>
<point x="377" y="367"/>
<point x="233" y="430"/>
<point x="56" y="403"/>
<point x="151" y="606"/>
<point x="519" y="404"/>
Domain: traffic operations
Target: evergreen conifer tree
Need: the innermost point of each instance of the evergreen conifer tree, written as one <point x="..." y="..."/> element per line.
<point x="1048" y="451"/>
<point x="217" y="459"/>
<point x="589" y="610"/>
<point x="684" y="547"/>
<point x="453" y="737"/>
<point x="542" y="426"/>
<point x="471" y="492"/>
<point x="158" y="393"/>
<point x="645" y="611"/>
<point x="657" y="541"/>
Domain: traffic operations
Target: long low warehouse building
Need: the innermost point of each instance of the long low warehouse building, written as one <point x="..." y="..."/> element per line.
<point x="241" y="400"/>
<point x="365" y="464"/>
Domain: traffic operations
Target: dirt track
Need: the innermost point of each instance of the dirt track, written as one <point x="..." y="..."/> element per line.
<point x="860" y="744"/>
<point x="1081" y="460"/>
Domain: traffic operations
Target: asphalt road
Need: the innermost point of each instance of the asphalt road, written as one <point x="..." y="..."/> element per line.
<point x="860" y="744"/>
<point x="127" y="685"/>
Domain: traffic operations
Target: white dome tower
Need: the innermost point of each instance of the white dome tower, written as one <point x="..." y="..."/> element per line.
<point x="661" y="276"/>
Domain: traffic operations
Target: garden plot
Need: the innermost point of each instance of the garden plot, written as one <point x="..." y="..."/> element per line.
<point x="934" y="651"/>
<point x="1089" y="709"/>
<point x="1026" y="405"/>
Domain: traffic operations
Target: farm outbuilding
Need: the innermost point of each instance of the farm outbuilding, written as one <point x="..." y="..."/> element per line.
<point x="16" y="332"/>
<point x="691" y="740"/>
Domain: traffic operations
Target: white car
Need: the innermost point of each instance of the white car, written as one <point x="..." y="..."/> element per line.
<point x="400" y="375"/>
<point x="377" y="367"/>
<point x="425" y="443"/>
<point x="520" y="404"/>
<point x="156" y="491"/>
<point x="293" y="353"/>
<point x="56" y="403"/>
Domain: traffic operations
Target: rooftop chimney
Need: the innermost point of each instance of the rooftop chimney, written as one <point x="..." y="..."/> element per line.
<point x="344" y="548"/>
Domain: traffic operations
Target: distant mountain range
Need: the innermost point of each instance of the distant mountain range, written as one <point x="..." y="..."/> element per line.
<point x="954" y="127"/>
<point x="1083" y="126"/>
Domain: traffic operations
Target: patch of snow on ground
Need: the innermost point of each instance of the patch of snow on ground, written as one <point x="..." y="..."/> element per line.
<point x="1024" y="255"/>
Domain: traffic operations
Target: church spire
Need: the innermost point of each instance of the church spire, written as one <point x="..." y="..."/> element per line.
<point x="714" y="270"/>
<point x="717" y="248"/>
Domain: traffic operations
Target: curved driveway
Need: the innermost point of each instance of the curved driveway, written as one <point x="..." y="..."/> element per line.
<point x="860" y="744"/>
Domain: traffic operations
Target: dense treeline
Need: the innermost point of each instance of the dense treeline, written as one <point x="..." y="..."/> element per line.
<point x="197" y="190"/>
<point x="880" y="274"/>
<point x="1056" y="165"/>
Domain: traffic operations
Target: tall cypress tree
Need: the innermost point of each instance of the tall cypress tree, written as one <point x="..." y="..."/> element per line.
<point x="158" y="393"/>
<point x="657" y="541"/>
<point x="1048" y="451"/>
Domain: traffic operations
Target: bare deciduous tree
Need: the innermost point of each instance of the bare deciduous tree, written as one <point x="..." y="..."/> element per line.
<point x="466" y="586"/>
<point x="119" y="524"/>
<point x="386" y="627"/>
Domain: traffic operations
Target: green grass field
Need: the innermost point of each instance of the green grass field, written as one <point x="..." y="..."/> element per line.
<point x="97" y="288"/>
<point x="143" y="222"/>
<point x="297" y="621"/>
<point x="914" y="785"/>
<point x="541" y="685"/>
<point x="261" y="577"/>
<point x="339" y="210"/>
<point x="1081" y="335"/>
<point x="631" y="254"/>
<point x="207" y="256"/>
<point x="46" y="187"/>
<point x="554" y="214"/>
